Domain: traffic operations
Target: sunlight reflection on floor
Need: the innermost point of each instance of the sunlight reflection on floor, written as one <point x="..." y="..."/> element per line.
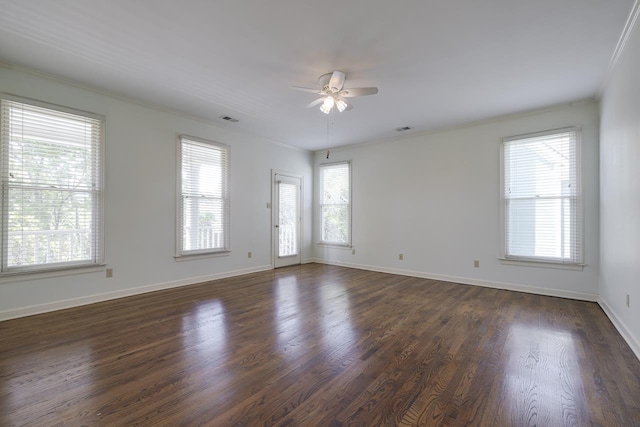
<point x="542" y="375"/>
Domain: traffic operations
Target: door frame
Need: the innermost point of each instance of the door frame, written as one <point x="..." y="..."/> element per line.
<point x="275" y="210"/>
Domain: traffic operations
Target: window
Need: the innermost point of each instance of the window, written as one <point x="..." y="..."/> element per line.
<point x="335" y="203"/>
<point x="542" y="197"/>
<point x="51" y="161"/>
<point x="203" y="207"/>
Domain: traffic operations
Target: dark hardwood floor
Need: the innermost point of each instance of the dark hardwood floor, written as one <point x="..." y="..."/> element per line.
<point x="320" y="345"/>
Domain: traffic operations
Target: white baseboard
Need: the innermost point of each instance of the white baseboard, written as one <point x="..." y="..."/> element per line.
<point x="90" y="299"/>
<point x="621" y="327"/>
<point x="469" y="281"/>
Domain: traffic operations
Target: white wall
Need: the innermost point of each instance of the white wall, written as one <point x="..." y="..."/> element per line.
<point x="435" y="199"/>
<point x="141" y="200"/>
<point x="620" y="193"/>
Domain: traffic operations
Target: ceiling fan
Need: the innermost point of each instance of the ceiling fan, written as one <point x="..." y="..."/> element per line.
<point x="333" y="93"/>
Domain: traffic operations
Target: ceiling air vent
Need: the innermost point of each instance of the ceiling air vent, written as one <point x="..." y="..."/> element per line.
<point x="403" y="129"/>
<point x="229" y="119"/>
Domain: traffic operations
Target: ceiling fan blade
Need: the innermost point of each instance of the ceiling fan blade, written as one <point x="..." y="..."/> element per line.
<point x="359" y="91"/>
<point x="306" y="89"/>
<point x="316" y="102"/>
<point x="337" y="81"/>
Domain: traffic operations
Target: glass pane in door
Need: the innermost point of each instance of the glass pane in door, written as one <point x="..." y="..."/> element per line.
<point x="288" y="219"/>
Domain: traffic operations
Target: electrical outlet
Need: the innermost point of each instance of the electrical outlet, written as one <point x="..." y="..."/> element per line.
<point x="628" y="300"/>
<point x="353" y="251"/>
<point x="401" y="257"/>
<point x="476" y="263"/>
<point x="249" y="255"/>
<point x="109" y="272"/>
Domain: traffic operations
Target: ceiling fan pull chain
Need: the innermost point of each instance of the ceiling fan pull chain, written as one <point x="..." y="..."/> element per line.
<point x="328" y="140"/>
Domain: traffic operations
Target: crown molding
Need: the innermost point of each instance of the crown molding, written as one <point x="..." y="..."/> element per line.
<point x="622" y="42"/>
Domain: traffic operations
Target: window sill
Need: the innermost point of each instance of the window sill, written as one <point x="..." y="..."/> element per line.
<point x="47" y="274"/>
<point x="542" y="264"/>
<point x="193" y="257"/>
<point x="335" y="245"/>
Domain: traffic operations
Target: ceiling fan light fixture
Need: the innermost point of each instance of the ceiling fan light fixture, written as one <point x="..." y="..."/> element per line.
<point x="327" y="105"/>
<point x="333" y="94"/>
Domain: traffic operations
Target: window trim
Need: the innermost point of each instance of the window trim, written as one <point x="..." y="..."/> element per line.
<point x="72" y="267"/>
<point x="202" y="253"/>
<point x="349" y="242"/>
<point x="543" y="261"/>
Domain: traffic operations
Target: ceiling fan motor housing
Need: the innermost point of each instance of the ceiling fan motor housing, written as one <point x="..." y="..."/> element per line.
<point x="332" y="81"/>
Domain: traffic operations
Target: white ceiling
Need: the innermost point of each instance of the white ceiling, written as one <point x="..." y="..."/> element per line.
<point x="437" y="63"/>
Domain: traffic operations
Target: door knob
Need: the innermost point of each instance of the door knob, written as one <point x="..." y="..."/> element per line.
<point x="276" y="226"/>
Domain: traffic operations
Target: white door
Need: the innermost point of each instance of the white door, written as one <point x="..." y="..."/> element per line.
<point x="287" y="214"/>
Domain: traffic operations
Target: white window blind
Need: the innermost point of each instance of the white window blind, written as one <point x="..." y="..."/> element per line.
<point x="288" y="194"/>
<point x="335" y="203"/>
<point x="203" y="200"/>
<point x="543" y="197"/>
<point x="51" y="187"/>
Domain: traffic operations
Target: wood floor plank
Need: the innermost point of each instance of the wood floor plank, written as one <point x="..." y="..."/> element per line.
<point x="320" y="345"/>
